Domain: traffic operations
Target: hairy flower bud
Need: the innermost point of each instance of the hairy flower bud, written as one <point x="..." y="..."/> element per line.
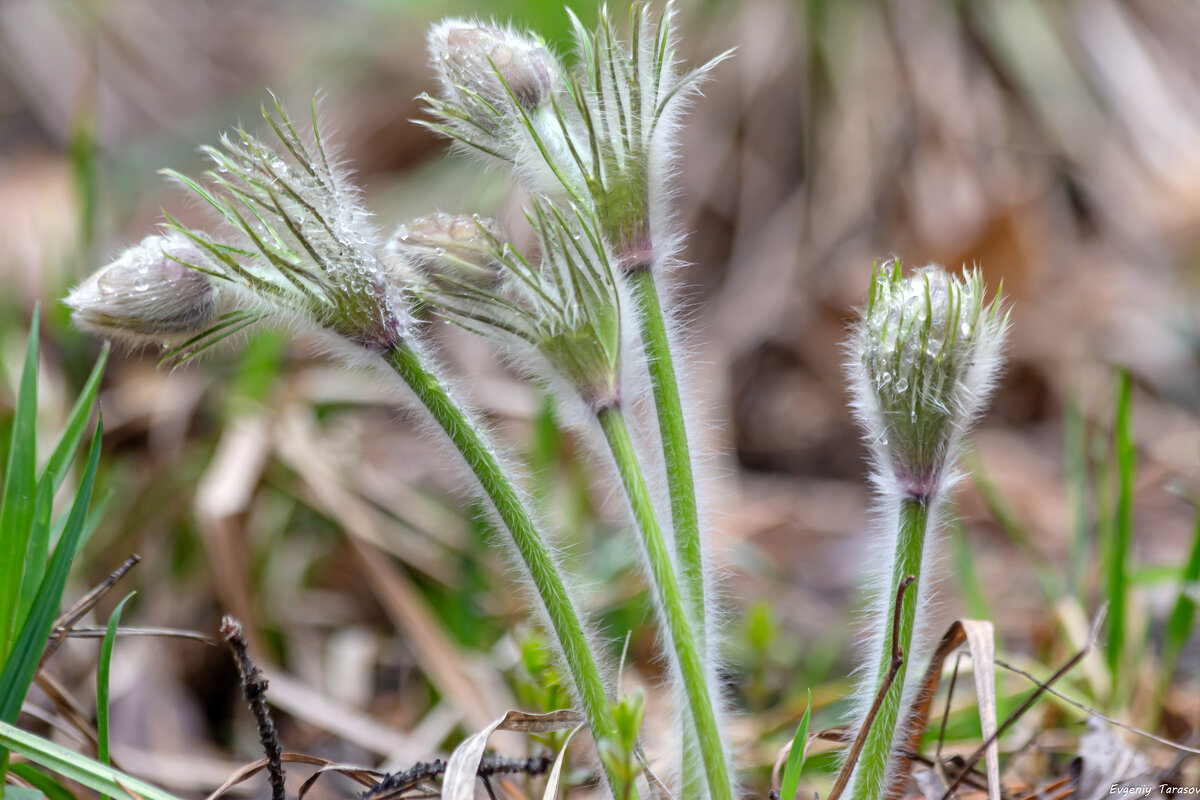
<point x="927" y="355"/>
<point x="148" y="294"/>
<point x="496" y="63"/>
<point x="455" y="248"/>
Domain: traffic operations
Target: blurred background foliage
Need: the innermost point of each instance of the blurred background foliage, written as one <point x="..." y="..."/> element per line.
<point x="1056" y="144"/>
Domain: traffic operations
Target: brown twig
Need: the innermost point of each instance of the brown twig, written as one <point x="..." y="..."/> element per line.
<point x="1182" y="748"/>
<point x="975" y="779"/>
<point x="938" y="766"/>
<point x="96" y="632"/>
<point x="860" y="739"/>
<point x="1041" y="689"/>
<point x="1065" y="781"/>
<point x="84" y="605"/>
<point x="937" y="753"/>
<point x="397" y="783"/>
<point x="917" y="717"/>
<point x="254" y="689"/>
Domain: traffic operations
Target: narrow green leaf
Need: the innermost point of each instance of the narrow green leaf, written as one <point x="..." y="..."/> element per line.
<point x="1122" y="531"/>
<point x="1179" y="624"/>
<point x="47" y="785"/>
<point x="51" y="479"/>
<point x="102" y="673"/>
<point x="20" y="489"/>
<point x="36" y="550"/>
<point x="795" y="763"/>
<point x="81" y="769"/>
<point x="26" y="653"/>
<point x="23" y="793"/>
<point x="68" y="443"/>
<point x="84" y="173"/>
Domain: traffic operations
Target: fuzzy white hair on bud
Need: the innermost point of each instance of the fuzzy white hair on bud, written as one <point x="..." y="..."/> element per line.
<point x="155" y="292"/>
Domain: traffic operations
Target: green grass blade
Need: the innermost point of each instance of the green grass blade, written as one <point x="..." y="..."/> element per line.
<point x="1118" y="548"/>
<point x="1179" y="624"/>
<point x="84" y="174"/>
<point x="36" y="550"/>
<point x="22" y="663"/>
<point x="81" y="769"/>
<point x="795" y="763"/>
<point x="1077" y="496"/>
<point x="48" y="786"/>
<point x="51" y="479"/>
<point x="68" y="443"/>
<point x="20" y="488"/>
<point x="102" y="672"/>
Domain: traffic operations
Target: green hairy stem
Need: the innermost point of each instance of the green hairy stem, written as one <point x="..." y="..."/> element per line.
<point x="680" y="632"/>
<point x="681" y="485"/>
<point x="564" y="619"/>
<point x="870" y="776"/>
<point x="685" y="517"/>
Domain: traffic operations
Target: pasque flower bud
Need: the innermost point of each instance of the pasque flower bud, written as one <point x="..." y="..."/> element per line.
<point x="148" y="294"/>
<point x="926" y="355"/>
<point x="496" y="97"/>
<point x="496" y="63"/>
<point x="455" y="248"/>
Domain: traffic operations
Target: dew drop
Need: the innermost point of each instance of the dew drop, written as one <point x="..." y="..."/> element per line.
<point x="902" y="385"/>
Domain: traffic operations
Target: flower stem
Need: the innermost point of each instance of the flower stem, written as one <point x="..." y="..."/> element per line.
<point x="870" y="777"/>
<point x="679" y="628"/>
<point x="685" y="518"/>
<point x="510" y="508"/>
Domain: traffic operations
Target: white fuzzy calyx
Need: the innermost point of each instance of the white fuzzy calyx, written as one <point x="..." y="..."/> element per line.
<point x="149" y="294"/>
<point x="927" y="355"/>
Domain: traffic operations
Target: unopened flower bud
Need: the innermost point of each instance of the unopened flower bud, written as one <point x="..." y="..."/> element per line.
<point x="493" y="62"/>
<point x="928" y="349"/>
<point x="148" y="294"/>
<point x="460" y="248"/>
